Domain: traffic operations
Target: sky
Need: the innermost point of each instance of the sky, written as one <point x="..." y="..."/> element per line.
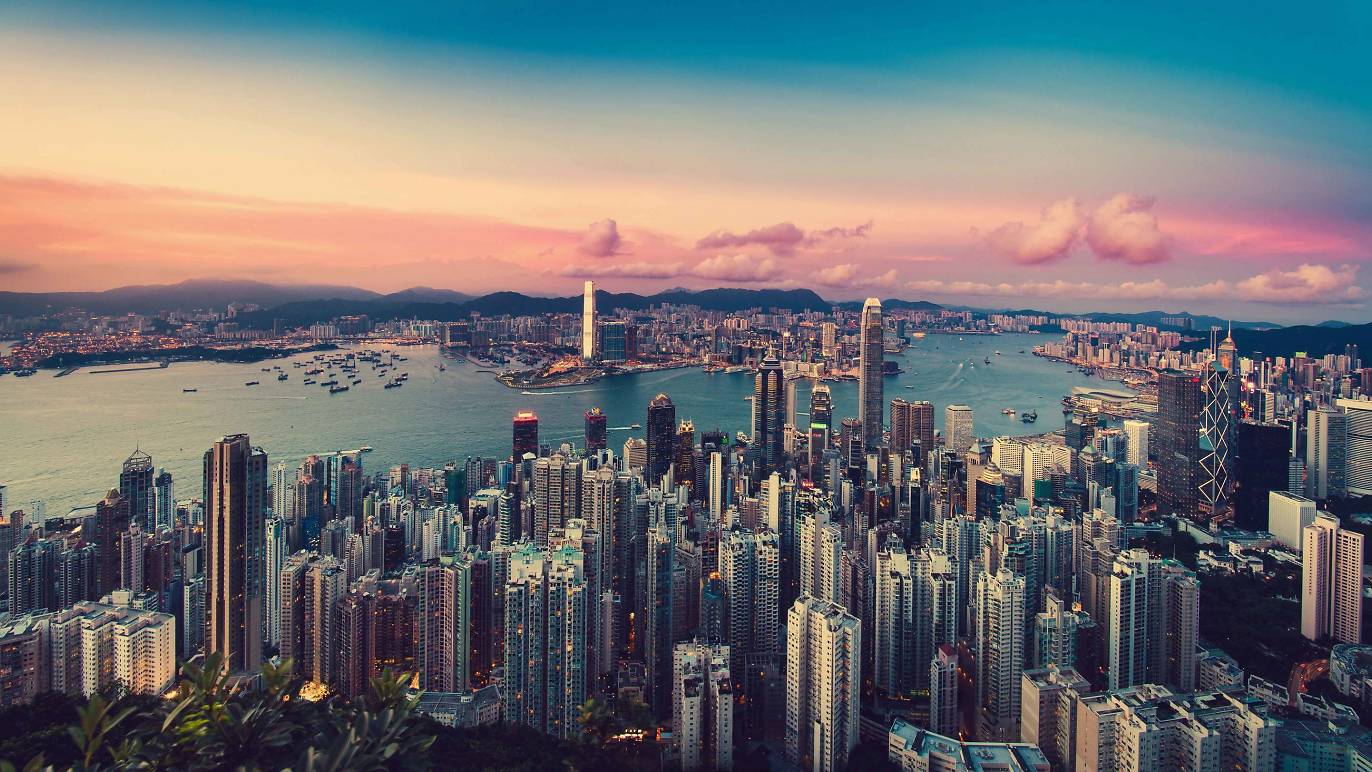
<point x="1210" y="157"/>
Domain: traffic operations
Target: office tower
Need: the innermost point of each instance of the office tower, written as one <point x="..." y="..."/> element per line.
<point x="871" y="370"/>
<point x="1000" y="653"/>
<point x="1126" y="492"/>
<point x="614" y="341"/>
<point x="443" y="625"/>
<point x="661" y="438"/>
<point x="769" y="412"/>
<point x="99" y="648"/>
<point x="1176" y="442"/>
<point x="792" y="392"/>
<point x="750" y="569"/>
<point x="703" y="706"/>
<point x="545" y="639"/>
<point x="943" y="691"/>
<point x="595" y="431"/>
<point x="684" y="460"/>
<point x="1331" y="581"/>
<point x="135" y="484"/>
<point x="635" y="453"/>
<point x="957" y="428"/>
<point x="307" y="503"/>
<point x="1219" y="417"/>
<point x="525" y="435"/>
<point x="910" y="422"/>
<point x="1326" y="448"/>
<point x="112" y="517"/>
<point x="1261" y="459"/>
<point x="1358" y="430"/>
<point x="164" y="501"/>
<point x="235" y="498"/>
<point x="1048" y="706"/>
<point x="823" y="684"/>
<point x="283" y="492"/>
<point x="821" y="428"/>
<point x="348" y="502"/>
<point x="1136" y="442"/>
<point x="1288" y="514"/>
<point x="588" y="350"/>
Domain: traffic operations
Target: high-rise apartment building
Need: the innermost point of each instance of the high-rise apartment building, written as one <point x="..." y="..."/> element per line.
<point x="443" y="625"/>
<point x="999" y="631"/>
<point x="823" y="684"/>
<point x="703" y="706"/>
<point x="911" y="421"/>
<point x="1331" y="581"/>
<point x="235" y="475"/>
<point x="545" y="639"/>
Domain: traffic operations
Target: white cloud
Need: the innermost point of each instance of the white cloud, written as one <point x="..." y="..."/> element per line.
<point x="1050" y="238"/>
<point x="1124" y="228"/>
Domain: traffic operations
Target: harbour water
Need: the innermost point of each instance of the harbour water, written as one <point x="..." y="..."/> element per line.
<point x="64" y="438"/>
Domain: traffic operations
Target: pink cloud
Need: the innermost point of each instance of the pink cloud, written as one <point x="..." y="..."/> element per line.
<point x="634" y="270"/>
<point x="1124" y="228"/>
<point x="601" y="240"/>
<point x="781" y="239"/>
<point x="737" y="268"/>
<point x="859" y="232"/>
<point x="1051" y="238"/>
<point x="1307" y="283"/>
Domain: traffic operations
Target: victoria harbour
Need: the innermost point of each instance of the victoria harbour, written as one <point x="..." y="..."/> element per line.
<point x="67" y="424"/>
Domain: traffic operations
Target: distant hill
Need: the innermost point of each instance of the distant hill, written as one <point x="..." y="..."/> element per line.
<point x="184" y="296"/>
<point x="517" y="303"/>
<point x="1199" y="322"/>
<point x="1314" y="340"/>
<point x="428" y="295"/>
<point x="893" y="303"/>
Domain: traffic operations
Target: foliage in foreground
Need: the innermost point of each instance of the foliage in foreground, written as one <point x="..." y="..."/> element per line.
<point x="212" y="723"/>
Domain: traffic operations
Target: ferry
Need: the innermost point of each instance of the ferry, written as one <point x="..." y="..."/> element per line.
<point x="394" y="384"/>
<point x="336" y="389"/>
<point x="635" y="426"/>
<point x="1008" y="411"/>
<point x="251" y="383"/>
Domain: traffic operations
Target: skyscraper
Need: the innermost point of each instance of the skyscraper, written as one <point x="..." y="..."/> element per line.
<point x="112" y="518"/>
<point x="871" y="369"/>
<point x="1177" y="442"/>
<point x="588" y="351"/>
<point x="525" y="434"/>
<point x="821" y="428"/>
<point x="545" y="639"/>
<point x="911" y="421"/>
<point x="769" y="412"/>
<point x="1331" y="581"/>
<point x="661" y="438"/>
<point x="443" y="625"/>
<point x="595" y="430"/>
<point x="1136" y="442"/>
<point x="703" y="706"/>
<point x="135" y="484"/>
<point x="957" y="428"/>
<point x="1000" y="654"/>
<point x="1219" y="418"/>
<point x="235" y="500"/>
<point x="823" y="684"/>
<point x="1326" y="453"/>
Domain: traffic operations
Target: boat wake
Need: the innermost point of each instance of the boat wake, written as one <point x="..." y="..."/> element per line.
<point x="555" y="393"/>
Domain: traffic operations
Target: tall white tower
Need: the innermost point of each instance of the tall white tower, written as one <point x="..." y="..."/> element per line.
<point x="588" y="351"/>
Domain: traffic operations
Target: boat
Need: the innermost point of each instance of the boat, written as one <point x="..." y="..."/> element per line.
<point x="909" y="386"/>
<point x="356" y="381"/>
<point x="1008" y="411"/>
<point x="988" y="360"/>
<point x="336" y="389"/>
<point x="393" y="384"/>
<point x="188" y="391"/>
<point x="309" y="381"/>
<point x="1030" y="417"/>
<point x="366" y="448"/>
<point x="282" y="377"/>
<point x="251" y="383"/>
<point x="266" y="369"/>
<point x="997" y="353"/>
<point x="635" y="426"/>
<point x="330" y="382"/>
<point x="25" y="372"/>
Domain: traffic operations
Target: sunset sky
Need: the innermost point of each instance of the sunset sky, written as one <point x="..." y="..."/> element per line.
<point x="1214" y="157"/>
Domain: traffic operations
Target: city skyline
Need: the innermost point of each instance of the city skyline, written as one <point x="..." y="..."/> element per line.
<point x="1101" y="163"/>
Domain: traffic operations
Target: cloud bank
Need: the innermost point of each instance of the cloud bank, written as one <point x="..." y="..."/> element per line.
<point x="1123" y="228"/>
